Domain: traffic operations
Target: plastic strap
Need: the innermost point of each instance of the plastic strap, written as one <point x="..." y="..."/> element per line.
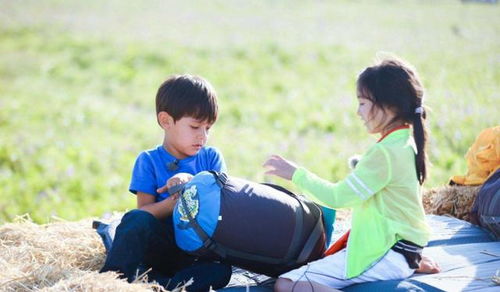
<point x="280" y="188"/>
<point x="224" y="252"/>
<point x="220" y="177"/>
<point x="298" y="231"/>
<point x="177" y="188"/>
<point x="293" y="248"/>
<point x="312" y="240"/>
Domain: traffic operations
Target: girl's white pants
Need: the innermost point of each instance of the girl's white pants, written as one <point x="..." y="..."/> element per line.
<point x="330" y="271"/>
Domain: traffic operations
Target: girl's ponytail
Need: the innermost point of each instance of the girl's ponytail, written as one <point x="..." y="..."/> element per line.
<point x="420" y="136"/>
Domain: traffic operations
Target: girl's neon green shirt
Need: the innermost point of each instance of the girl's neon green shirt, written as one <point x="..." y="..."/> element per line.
<point x="384" y="194"/>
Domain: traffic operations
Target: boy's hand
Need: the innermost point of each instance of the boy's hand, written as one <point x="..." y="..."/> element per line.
<point x="277" y="165"/>
<point x="173" y="197"/>
<point x="177" y="179"/>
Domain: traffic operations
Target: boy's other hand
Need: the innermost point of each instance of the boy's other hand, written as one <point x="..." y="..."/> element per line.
<point x="177" y="179"/>
<point x="174" y="197"/>
<point x="277" y="165"/>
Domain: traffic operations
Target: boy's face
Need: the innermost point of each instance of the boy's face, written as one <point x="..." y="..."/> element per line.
<point x="185" y="137"/>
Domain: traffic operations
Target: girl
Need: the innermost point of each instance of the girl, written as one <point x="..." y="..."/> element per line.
<point x="388" y="224"/>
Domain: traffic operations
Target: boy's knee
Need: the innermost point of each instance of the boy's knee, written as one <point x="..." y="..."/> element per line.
<point x="224" y="272"/>
<point x="219" y="274"/>
<point x="136" y="221"/>
<point x="137" y="216"/>
<point x="283" y="284"/>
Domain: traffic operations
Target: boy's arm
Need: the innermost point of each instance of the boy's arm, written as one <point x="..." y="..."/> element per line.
<point x="160" y="210"/>
<point x="163" y="208"/>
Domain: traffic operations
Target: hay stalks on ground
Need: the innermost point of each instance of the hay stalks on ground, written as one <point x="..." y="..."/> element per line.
<point x="93" y="281"/>
<point x="60" y="256"/>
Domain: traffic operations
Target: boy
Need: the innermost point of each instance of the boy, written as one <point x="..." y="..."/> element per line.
<point x="186" y="108"/>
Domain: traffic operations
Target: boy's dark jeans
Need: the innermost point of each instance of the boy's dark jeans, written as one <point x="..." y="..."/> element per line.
<point x="142" y="241"/>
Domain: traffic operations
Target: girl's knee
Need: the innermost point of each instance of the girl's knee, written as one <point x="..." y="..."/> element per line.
<point x="283" y="284"/>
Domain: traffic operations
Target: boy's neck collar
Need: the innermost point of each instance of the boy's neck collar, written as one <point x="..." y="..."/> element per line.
<point x="170" y="155"/>
<point x="393" y="130"/>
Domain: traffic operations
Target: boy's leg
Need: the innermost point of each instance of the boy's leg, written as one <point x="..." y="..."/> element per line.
<point x="132" y="242"/>
<point x="172" y="267"/>
<point x="201" y="276"/>
<point x="163" y="254"/>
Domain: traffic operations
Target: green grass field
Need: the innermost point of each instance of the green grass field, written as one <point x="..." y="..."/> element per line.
<point x="78" y="80"/>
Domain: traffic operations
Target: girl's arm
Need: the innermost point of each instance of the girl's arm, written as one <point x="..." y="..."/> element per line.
<point x="372" y="173"/>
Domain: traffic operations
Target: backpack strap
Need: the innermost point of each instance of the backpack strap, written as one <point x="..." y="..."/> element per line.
<point x="177" y="188"/>
<point x="220" y="177"/>
<point x="280" y="188"/>
<point x="294" y="255"/>
<point x="224" y="252"/>
<point x="313" y="238"/>
<point x="293" y="248"/>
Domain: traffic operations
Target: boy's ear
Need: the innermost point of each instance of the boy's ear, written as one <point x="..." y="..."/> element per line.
<point x="165" y="120"/>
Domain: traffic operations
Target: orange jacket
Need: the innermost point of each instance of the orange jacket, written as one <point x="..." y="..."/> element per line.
<point x="483" y="158"/>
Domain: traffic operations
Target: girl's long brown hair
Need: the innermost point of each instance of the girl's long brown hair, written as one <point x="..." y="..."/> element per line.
<point x="395" y="85"/>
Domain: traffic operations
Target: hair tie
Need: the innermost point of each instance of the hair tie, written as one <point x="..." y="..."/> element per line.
<point x="419" y="110"/>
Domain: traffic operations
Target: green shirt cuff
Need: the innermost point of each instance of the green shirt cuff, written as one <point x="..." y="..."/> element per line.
<point x="299" y="175"/>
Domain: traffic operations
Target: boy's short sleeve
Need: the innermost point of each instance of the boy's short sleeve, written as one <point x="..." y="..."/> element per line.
<point x="143" y="175"/>
<point x="216" y="159"/>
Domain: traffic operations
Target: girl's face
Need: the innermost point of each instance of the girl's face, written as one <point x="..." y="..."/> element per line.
<point x="374" y="118"/>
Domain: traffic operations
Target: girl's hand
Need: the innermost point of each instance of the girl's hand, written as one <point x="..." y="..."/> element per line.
<point x="428" y="266"/>
<point x="277" y="165"/>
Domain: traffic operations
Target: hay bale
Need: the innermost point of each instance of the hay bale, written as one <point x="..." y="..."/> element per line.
<point x="59" y="256"/>
<point x="455" y="201"/>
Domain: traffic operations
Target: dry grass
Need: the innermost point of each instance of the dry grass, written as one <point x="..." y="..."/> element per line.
<point x="60" y="256"/>
<point x="455" y="201"/>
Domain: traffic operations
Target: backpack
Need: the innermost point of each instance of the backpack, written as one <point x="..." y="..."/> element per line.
<point x="486" y="208"/>
<point x="263" y="228"/>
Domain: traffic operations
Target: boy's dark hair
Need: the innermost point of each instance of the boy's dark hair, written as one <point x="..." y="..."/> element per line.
<point x="187" y="95"/>
<point x="395" y="85"/>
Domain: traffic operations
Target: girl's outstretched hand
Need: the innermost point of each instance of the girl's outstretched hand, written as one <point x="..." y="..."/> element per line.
<point x="277" y="165"/>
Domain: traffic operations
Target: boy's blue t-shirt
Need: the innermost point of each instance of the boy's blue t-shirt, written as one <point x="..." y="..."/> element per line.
<point x="151" y="169"/>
